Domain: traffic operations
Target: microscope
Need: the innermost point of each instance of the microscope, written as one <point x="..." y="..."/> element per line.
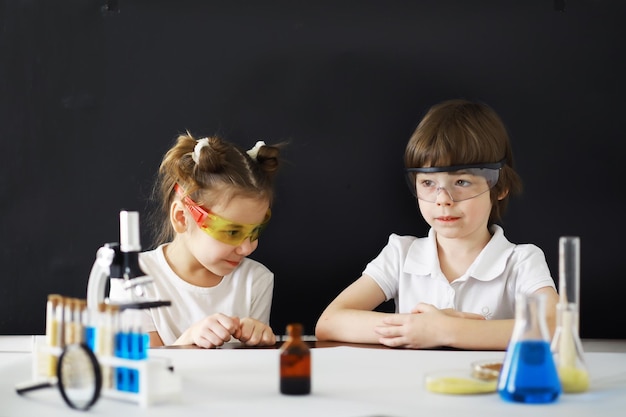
<point x="107" y="358"/>
<point x="121" y="260"/>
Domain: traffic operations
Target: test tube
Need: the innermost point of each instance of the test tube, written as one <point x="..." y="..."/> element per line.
<point x="54" y="318"/>
<point x="106" y="337"/>
<point x="101" y="331"/>
<point x="130" y="343"/>
<point x="569" y="270"/>
<point x="82" y="317"/>
<point x="72" y="321"/>
<point x="566" y="345"/>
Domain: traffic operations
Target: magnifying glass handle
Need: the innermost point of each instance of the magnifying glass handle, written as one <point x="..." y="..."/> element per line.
<point x="25" y="387"/>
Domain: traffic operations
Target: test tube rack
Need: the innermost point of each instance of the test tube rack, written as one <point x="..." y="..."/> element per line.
<point x="157" y="382"/>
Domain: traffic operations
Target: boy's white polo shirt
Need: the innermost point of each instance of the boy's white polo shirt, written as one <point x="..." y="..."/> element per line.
<point x="407" y="270"/>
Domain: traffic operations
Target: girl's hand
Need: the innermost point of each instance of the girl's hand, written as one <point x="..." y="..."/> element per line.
<point x="425" y="327"/>
<point x="213" y="330"/>
<point x="252" y="332"/>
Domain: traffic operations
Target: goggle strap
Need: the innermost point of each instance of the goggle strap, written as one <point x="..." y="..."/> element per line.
<point x="494" y="165"/>
<point x="197" y="213"/>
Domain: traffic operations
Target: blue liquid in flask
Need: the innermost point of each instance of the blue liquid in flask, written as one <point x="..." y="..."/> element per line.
<point x="529" y="374"/>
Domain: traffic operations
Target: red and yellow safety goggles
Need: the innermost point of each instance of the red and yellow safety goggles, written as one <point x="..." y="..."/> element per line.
<point x="220" y="228"/>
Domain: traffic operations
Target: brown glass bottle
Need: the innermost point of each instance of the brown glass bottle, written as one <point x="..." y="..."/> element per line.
<point x="295" y="363"/>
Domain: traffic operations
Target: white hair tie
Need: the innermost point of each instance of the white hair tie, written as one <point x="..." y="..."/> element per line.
<point x="255" y="150"/>
<point x="200" y="143"/>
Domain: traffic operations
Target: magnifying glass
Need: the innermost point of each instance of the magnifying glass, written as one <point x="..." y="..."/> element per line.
<point x="78" y="377"/>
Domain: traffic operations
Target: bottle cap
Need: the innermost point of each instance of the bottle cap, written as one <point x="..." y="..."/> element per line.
<point x="294" y="329"/>
<point x="55" y="298"/>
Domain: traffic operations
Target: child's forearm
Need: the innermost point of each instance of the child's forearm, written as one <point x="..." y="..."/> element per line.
<point x="478" y="334"/>
<point x="347" y="325"/>
<point x="155" y="339"/>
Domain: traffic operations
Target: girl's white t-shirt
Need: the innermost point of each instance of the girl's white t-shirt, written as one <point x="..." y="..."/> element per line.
<point x="408" y="271"/>
<point x="246" y="292"/>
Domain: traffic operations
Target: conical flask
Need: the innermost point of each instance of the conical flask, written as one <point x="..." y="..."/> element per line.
<point x="528" y="372"/>
<point x="566" y="346"/>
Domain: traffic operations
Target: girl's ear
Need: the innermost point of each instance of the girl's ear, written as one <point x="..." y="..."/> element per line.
<point x="178" y="217"/>
<point x="503" y="194"/>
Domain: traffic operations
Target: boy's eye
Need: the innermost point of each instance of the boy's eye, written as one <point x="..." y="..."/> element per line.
<point x="427" y="183"/>
<point x="463" y="183"/>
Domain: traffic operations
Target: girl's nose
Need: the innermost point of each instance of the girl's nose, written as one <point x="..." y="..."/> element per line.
<point x="246" y="247"/>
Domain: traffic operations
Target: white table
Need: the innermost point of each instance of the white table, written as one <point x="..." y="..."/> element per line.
<point x="346" y="381"/>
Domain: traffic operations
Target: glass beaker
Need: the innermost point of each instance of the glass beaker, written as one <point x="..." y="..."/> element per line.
<point x="528" y="373"/>
<point x="566" y="345"/>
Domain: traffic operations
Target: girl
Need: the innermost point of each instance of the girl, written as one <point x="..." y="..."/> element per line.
<point x="215" y="201"/>
<point x="457" y="286"/>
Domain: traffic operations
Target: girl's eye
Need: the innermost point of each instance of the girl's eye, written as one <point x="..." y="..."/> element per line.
<point x="463" y="183"/>
<point x="231" y="233"/>
<point x="427" y="183"/>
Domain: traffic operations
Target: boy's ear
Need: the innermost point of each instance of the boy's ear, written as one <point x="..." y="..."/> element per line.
<point x="178" y="217"/>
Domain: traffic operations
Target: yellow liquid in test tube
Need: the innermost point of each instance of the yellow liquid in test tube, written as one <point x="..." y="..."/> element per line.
<point x="566" y="345"/>
<point x="573" y="380"/>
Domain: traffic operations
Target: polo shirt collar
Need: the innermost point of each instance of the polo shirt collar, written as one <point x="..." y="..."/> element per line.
<point x="422" y="258"/>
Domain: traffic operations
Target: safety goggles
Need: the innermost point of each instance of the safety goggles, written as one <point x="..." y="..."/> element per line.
<point x="220" y="228"/>
<point x="461" y="182"/>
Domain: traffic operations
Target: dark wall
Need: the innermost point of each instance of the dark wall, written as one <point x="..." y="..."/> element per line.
<point x="90" y="100"/>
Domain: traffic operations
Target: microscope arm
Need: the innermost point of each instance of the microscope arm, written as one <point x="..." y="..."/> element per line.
<point x="98" y="277"/>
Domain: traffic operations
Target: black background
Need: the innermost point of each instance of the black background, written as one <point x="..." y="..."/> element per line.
<point x="90" y="100"/>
